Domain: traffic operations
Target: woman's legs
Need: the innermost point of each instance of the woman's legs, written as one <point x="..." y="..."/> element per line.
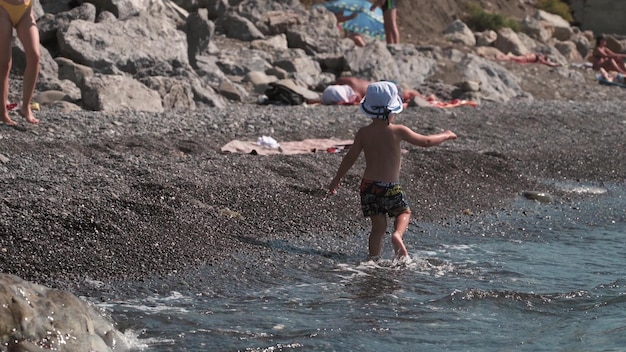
<point x="6" y="34"/>
<point x="392" y="34"/>
<point x="28" y="34"/>
<point x="612" y="65"/>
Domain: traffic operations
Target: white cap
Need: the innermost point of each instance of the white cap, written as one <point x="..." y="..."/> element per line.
<point x="381" y="99"/>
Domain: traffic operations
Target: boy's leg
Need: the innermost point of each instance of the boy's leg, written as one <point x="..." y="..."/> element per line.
<point x="379" y="227"/>
<point x="28" y="34"/>
<point x="400" y="225"/>
<point x="6" y="34"/>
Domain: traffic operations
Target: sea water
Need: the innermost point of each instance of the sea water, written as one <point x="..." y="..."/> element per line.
<point x="534" y="277"/>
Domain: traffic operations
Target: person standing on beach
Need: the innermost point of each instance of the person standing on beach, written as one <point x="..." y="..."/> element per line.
<point x="18" y="14"/>
<point x="390" y="18"/>
<point x="380" y="190"/>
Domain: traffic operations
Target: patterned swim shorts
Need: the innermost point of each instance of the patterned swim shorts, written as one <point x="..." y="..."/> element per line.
<point x="382" y="198"/>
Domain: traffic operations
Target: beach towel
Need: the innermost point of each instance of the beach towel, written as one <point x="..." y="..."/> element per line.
<point x="286" y="148"/>
<point x="433" y="102"/>
<point x="452" y="103"/>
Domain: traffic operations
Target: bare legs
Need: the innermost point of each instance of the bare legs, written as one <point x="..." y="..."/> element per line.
<point x="400" y="225"/>
<point x="6" y="33"/>
<point x="613" y="65"/>
<point x="392" y="34"/>
<point x="28" y="34"/>
<point x="357" y="39"/>
<point x="379" y="227"/>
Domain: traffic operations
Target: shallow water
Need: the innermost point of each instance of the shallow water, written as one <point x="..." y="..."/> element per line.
<point x="538" y="277"/>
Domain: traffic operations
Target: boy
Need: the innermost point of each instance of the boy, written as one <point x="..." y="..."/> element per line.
<point x="381" y="193"/>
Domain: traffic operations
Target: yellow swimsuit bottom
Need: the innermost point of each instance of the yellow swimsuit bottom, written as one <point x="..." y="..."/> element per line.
<point x="16" y="12"/>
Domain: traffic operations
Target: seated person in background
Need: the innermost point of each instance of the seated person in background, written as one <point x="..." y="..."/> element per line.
<point x="603" y="57"/>
<point x="528" y="58"/>
<point x="356" y="37"/>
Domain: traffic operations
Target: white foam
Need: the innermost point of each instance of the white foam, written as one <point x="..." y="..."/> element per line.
<point x="587" y="190"/>
<point x="581" y="188"/>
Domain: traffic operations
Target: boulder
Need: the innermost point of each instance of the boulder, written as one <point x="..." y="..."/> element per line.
<point x="147" y="41"/>
<point x="509" y="42"/>
<point x="33" y="313"/>
<point x="459" y="32"/>
<point x="496" y="82"/>
<point x="119" y="93"/>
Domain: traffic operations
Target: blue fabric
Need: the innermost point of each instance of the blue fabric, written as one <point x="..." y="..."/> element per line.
<point x="366" y="22"/>
<point x="605" y="81"/>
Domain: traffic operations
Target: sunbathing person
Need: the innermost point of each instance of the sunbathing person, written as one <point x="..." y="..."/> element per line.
<point x="603" y="57"/>
<point x="360" y="87"/>
<point x="528" y="58"/>
<point x="340" y="94"/>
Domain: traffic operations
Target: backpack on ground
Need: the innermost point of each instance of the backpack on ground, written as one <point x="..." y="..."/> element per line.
<point x="280" y="94"/>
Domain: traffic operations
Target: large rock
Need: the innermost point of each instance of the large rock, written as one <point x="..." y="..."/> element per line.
<point x="49" y="24"/>
<point x="560" y="28"/>
<point x="497" y="83"/>
<point x="459" y="32"/>
<point x="33" y="316"/>
<point x="128" y="45"/>
<point x="119" y="93"/>
<point x="509" y="42"/>
<point x="120" y="8"/>
<point x="238" y="27"/>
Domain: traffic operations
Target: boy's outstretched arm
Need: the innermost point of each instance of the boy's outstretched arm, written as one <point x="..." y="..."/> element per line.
<point x="426" y="141"/>
<point x="346" y="163"/>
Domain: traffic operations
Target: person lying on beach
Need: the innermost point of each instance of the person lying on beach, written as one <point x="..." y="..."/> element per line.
<point x="380" y="141"/>
<point x="359" y="86"/>
<point x="528" y="58"/>
<point x="340" y="94"/>
<point x="603" y="57"/>
<point x="612" y="76"/>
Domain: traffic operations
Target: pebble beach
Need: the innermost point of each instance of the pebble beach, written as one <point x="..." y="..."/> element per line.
<point x="91" y="196"/>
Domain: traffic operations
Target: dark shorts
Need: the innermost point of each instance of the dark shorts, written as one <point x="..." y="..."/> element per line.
<point x="382" y="198"/>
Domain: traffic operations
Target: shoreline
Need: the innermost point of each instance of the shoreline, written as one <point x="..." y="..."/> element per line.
<point x="137" y="196"/>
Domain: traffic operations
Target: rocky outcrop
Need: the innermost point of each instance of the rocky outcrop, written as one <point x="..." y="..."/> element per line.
<point x="37" y="318"/>
<point x="162" y="55"/>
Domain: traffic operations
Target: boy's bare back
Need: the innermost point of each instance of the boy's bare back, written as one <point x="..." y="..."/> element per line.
<point x="381" y="145"/>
